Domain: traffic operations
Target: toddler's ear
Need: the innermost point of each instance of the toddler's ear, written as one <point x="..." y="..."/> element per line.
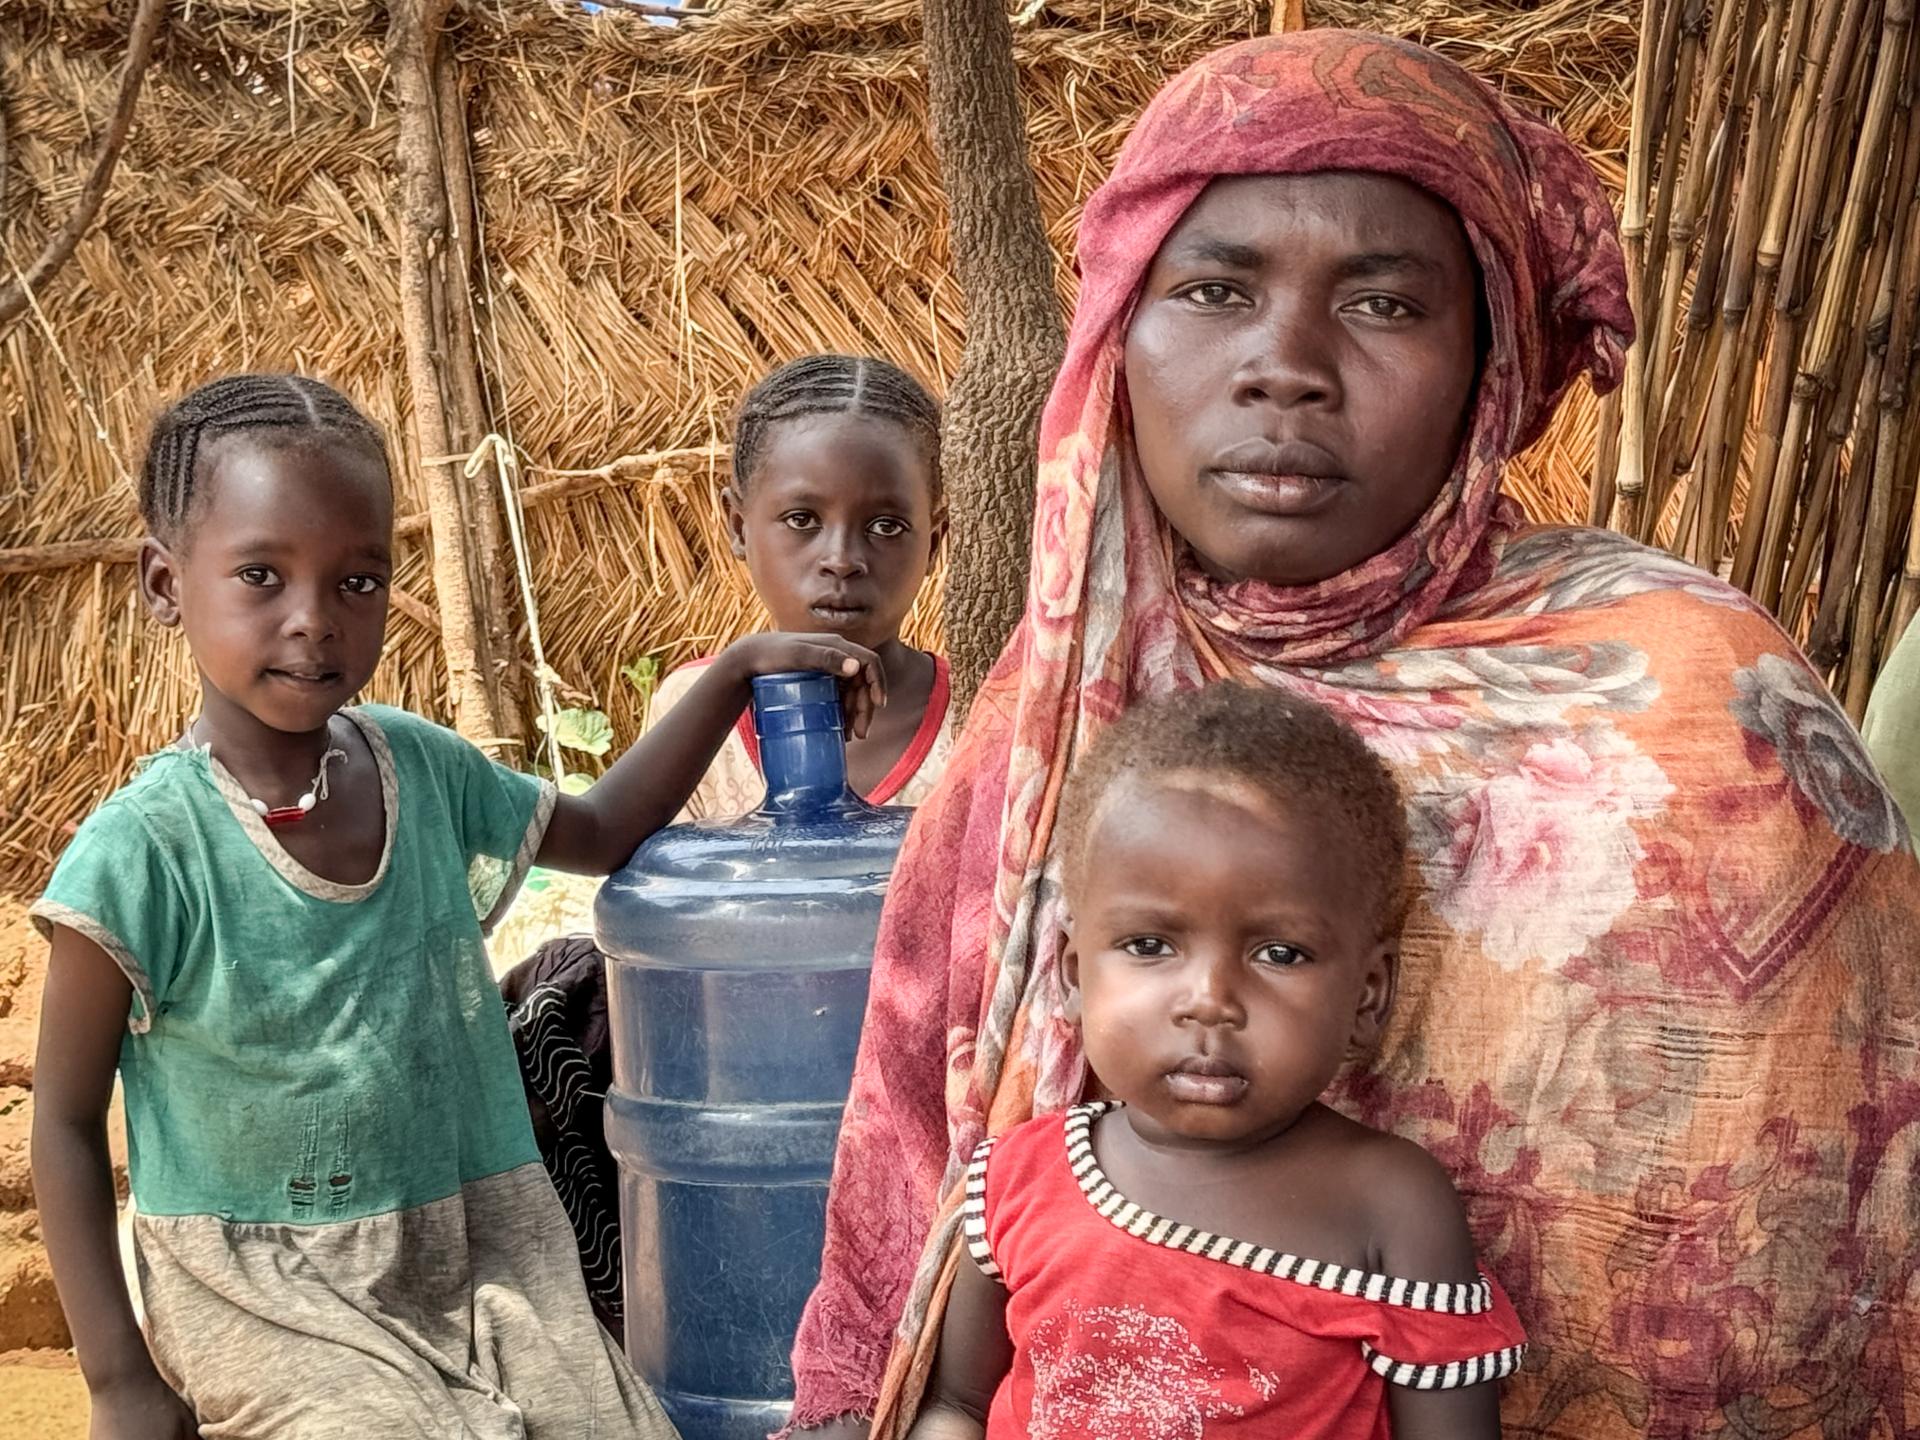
<point x="730" y="504"/>
<point x="160" y="582"/>
<point x="1376" y="999"/>
<point x="1070" y="979"/>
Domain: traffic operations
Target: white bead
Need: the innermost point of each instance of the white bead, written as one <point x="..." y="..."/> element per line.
<point x="306" y="802"/>
<point x="259" y="806"/>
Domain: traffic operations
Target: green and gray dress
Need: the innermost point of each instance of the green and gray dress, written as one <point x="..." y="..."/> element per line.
<point x="344" y="1228"/>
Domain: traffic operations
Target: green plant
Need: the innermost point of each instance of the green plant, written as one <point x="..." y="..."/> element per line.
<point x="644" y="676"/>
<point x="578" y="731"/>
<point x="588" y="732"/>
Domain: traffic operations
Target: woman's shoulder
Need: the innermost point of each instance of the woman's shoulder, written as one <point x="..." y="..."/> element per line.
<point x="1568" y="567"/>
<point x="1598" y="581"/>
<point x="1725" y="694"/>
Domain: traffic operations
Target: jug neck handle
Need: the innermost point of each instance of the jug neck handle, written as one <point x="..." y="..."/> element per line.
<point x="803" y="748"/>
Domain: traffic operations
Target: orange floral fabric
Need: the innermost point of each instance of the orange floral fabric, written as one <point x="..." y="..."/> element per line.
<point x="1658" y="1007"/>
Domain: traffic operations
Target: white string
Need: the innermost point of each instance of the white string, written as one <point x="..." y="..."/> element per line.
<point x="507" y="464"/>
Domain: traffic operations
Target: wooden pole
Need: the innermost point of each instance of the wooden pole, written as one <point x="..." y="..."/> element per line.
<point x="1839" y="294"/>
<point x="1677" y="444"/>
<point x="414" y="30"/>
<point x="1652" y="71"/>
<point x="489" y="559"/>
<point x="1894" y="26"/>
<point x="1737" y="337"/>
<point x="1784" y="352"/>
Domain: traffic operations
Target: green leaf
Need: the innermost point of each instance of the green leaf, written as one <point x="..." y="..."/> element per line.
<point x="574" y="783"/>
<point x="643" y="674"/>
<point x="587" y="731"/>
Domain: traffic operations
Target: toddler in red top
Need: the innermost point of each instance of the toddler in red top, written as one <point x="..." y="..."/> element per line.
<point x="1210" y="1251"/>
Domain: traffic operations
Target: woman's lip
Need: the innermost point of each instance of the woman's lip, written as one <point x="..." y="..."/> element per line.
<point x="1284" y="495"/>
<point x="1193" y="1088"/>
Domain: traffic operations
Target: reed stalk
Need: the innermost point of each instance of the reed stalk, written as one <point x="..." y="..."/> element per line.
<point x="1895" y="25"/>
<point x="1782" y="363"/>
<point x="1653" y="68"/>
<point x="1736" y="340"/>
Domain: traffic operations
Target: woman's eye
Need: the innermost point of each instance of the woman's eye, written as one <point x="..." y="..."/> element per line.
<point x="256" y="575"/>
<point x="1146" y="947"/>
<point x="1211" y="294"/>
<point x="887" y="528"/>
<point x="1279" y="955"/>
<point x="801" y="520"/>
<point x="362" y="584"/>
<point x="1384" y="307"/>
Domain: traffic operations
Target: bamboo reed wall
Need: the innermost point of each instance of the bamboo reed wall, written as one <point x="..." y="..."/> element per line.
<point x="1772" y="224"/>
<point x="665" y="213"/>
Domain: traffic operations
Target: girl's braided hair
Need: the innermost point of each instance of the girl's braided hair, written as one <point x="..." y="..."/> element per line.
<point x="288" y="406"/>
<point x="834" y="385"/>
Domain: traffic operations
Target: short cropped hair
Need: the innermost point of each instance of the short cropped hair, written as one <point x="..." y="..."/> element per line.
<point x="1282" y="745"/>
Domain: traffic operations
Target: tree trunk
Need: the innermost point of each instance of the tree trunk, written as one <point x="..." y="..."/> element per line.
<point x="1014" y="336"/>
<point x="426" y="240"/>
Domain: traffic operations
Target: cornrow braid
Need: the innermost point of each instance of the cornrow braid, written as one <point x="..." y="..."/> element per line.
<point x="233" y="404"/>
<point x="834" y="385"/>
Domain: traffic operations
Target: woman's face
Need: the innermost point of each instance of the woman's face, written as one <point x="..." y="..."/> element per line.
<point x="1300" y="367"/>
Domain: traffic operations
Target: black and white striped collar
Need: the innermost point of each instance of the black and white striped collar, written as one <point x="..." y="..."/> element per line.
<point x="1136" y="1220"/>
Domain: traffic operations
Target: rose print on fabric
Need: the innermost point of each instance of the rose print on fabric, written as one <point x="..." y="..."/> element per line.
<point x="1539" y="859"/>
<point x="1820" y="752"/>
<point x="1122" y="1373"/>
<point x="1551" y="570"/>
<point x="1522" y="821"/>
<point x="1414" y="703"/>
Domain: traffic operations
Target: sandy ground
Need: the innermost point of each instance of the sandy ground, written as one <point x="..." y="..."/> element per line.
<point x="42" y="1396"/>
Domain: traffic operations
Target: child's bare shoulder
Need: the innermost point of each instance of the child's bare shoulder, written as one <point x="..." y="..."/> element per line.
<point x="1414" y="1215"/>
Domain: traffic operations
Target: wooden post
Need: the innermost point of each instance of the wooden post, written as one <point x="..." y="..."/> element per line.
<point x="413" y="42"/>
<point x="1014" y="334"/>
<point x="488" y="557"/>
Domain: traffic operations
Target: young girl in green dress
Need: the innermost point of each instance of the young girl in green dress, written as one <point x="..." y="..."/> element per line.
<point x="274" y="934"/>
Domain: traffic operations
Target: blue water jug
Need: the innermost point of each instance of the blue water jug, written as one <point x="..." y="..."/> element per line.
<point x="737" y="960"/>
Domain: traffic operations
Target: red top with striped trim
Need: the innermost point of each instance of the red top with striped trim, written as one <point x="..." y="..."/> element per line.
<point x="1130" y="1326"/>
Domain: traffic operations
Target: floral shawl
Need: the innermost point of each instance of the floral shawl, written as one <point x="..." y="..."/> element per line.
<point x="1657" y="1007"/>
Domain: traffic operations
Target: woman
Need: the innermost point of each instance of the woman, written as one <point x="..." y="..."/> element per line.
<point x="1656" y="1014"/>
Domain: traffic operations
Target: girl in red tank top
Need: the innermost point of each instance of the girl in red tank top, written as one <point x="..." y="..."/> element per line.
<point x="1210" y="1251"/>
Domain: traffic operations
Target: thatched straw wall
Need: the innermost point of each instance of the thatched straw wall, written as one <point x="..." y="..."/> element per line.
<point x="666" y="212"/>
